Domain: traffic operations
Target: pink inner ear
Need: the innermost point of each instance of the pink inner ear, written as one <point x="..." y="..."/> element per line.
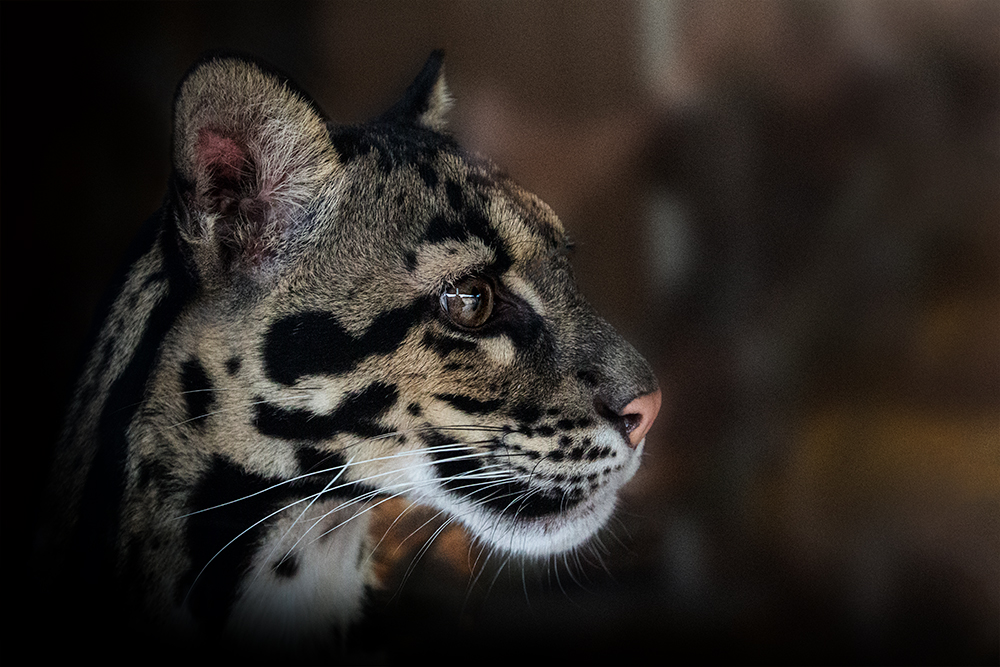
<point x="222" y="156"/>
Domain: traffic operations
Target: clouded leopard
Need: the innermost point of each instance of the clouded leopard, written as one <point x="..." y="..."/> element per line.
<point x="320" y="318"/>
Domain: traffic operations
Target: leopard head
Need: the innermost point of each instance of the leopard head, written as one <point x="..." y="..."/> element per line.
<point x="392" y="316"/>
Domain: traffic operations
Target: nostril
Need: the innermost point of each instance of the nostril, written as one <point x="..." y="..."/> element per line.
<point x="638" y="416"/>
<point x="621" y="422"/>
<point x="631" y="421"/>
<point x="635" y="419"/>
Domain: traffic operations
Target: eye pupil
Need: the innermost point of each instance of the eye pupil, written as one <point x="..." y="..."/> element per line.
<point x="469" y="302"/>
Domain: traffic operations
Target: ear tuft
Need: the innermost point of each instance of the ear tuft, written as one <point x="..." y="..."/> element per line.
<point x="251" y="153"/>
<point x="426" y="101"/>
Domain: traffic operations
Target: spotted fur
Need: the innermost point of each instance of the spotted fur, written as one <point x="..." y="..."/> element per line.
<point x="277" y="359"/>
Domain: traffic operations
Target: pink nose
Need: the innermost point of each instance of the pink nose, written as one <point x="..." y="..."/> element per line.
<point x="639" y="416"/>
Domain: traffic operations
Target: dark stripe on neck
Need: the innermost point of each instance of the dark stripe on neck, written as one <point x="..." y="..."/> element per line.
<point x="95" y="535"/>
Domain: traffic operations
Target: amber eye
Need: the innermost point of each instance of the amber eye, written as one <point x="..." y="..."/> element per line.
<point x="468" y="302"/>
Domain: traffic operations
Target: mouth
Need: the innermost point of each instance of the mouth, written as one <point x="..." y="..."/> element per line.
<point x="539" y="524"/>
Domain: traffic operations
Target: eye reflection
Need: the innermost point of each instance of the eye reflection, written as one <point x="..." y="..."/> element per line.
<point x="468" y="303"/>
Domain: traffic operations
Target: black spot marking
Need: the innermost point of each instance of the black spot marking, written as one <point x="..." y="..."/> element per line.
<point x="565" y="441"/>
<point x="552" y="412"/>
<point x="441" y="229"/>
<point x="414" y="409"/>
<point x="454" y="192"/>
<point x="233" y="365"/>
<point x="351" y="142"/>
<point x="286" y="568"/>
<point x="411" y="260"/>
<point x="556" y="455"/>
<point x="358" y="414"/>
<point x="227" y="533"/>
<point x="393" y="145"/>
<point x="576" y="453"/>
<point x="516" y="499"/>
<point x="151" y="471"/>
<point x="210" y="536"/>
<point x="315" y="343"/>
<point x="545" y="431"/>
<point x="198" y="392"/>
<point x="478" y="225"/>
<point x="313" y="461"/>
<point x="445" y="345"/>
<point x="451" y="462"/>
<point x="525" y="413"/>
<point x="428" y="174"/>
<point x="471" y="405"/>
<point x="565" y="424"/>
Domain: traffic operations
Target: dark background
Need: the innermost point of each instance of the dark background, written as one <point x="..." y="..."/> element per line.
<point x="793" y="209"/>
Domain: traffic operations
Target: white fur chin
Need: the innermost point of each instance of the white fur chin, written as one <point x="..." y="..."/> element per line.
<point x="545" y="536"/>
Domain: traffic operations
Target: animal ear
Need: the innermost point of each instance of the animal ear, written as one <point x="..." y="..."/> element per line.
<point x="250" y="154"/>
<point x="426" y="102"/>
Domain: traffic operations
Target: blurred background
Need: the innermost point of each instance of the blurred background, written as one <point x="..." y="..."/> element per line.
<point x="791" y="208"/>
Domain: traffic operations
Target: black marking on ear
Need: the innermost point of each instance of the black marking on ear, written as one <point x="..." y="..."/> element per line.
<point x="445" y="345"/>
<point x="416" y="101"/>
<point x="199" y="395"/>
<point x="315" y="343"/>
<point x="287" y="567"/>
<point x="471" y="405"/>
<point x="358" y="414"/>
